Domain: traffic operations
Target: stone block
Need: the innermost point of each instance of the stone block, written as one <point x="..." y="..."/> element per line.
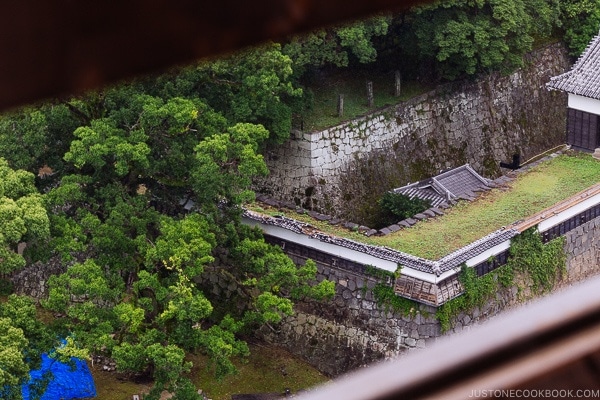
<point x="429" y="330"/>
<point x="313" y="214"/>
<point x="323" y="217"/>
<point x="352" y="284"/>
<point x="430" y="213"/>
<point x="350" y="225"/>
<point x="394" y="228"/>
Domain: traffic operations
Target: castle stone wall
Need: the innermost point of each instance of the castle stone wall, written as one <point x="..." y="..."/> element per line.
<point x="352" y="330"/>
<point x="480" y="122"/>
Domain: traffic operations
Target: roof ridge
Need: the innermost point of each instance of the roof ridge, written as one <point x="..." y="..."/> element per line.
<point x="584" y="76"/>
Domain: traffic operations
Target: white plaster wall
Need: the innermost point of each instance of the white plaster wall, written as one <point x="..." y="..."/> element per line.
<point x="586" y="104"/>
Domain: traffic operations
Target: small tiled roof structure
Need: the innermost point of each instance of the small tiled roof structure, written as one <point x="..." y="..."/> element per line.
<point x="458" y="183"/>
<point x="584" y="78"/>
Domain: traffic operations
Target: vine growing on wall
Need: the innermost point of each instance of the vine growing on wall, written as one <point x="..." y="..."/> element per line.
<point x="543" y="264"/>
<point x="384" y="293"/>
<point x="386" y="297"/>
<point x="539" y="265"/>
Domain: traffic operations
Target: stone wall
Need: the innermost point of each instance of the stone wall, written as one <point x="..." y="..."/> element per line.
<point x="352" y="330"/>
<point x="481" y="122"/>
<point x="33" y="279"/>
<point x="583" y="252"/>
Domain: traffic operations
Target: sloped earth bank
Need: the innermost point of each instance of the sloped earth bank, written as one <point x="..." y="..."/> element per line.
<point x="269" y="369"/>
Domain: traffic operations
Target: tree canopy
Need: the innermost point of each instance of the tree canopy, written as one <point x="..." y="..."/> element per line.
<point x="335" y="46"/>
<point x="467" y="37"/>
<point x="109" y="205"/>
<point x="581" y="21"/>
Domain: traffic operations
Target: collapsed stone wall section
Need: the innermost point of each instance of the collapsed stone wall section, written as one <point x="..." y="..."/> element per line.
<point x="33" y="279"/>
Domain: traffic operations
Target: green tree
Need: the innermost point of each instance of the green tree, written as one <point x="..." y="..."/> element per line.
<point x="226" y="164"/>
<point x="251" y="86"/>
<point x="13" y="367"/>
<point x="85" y="296"/>
<point x="465" y="37"/>
<point x="135" y="256"/>
<point x="21" y="311"/>
<point x="581" y="22"/>
<point x="335" y="46"/>
<point x="33" y="138"/>
<point x="23" y="136"/>
<point x="23" y="216"/>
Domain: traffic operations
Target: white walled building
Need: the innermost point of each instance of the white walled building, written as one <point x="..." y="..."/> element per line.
<point x="582" y="83"/>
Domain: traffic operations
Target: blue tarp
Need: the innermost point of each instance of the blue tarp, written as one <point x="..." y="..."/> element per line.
<point x="67" y="382"/>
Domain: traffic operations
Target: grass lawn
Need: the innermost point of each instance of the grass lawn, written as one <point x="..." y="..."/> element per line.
<point x="532" y="191"/>
<point x="269" y="370"/>
<point x="352" y="84"/>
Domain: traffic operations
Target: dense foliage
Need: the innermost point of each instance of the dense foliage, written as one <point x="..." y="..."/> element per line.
<point x="114" y="169"/>
<point x="466" y="37"/>
<point x="394" y="207"/>
<point x="449" y="39"/>
<point x="581" y="21"/>
<point x="337" y="45"/>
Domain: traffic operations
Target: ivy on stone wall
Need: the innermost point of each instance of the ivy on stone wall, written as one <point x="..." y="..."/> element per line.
<point x="539" y="265"/>
<point x="544" y="264"/>
<point x="386" y="297"/>
<point x="384" y="293"/>
<point x="382" y="274"/>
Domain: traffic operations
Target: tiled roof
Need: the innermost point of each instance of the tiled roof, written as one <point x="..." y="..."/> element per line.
<point x="584" y="78"/>
<point x="461" y="182"/>
<point x="457" y="258"/>
<point x="447" y="263"/>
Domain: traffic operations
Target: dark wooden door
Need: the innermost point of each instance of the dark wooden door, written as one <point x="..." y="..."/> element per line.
<point x="582" y="129"/>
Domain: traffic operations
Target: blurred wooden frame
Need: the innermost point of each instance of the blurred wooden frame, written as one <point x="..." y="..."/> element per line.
<point x="50" y="48"/>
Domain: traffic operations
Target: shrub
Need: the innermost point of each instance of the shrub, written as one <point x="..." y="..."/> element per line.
<point x="394" y="207"/>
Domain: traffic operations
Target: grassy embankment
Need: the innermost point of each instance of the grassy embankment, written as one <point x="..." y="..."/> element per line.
<point x="532" y="191"/>
<point x="268" y="370"/>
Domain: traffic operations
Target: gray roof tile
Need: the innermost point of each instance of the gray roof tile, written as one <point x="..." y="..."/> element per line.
<point x="584" y="77"/>
<point x="444" y="264"/>
<point x="457" y="183"/>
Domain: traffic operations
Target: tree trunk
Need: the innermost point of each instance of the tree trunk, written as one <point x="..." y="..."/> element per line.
<point x="370" y="100"/>
<point x="340" y="107"/>
<point x="398" y="84"/>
